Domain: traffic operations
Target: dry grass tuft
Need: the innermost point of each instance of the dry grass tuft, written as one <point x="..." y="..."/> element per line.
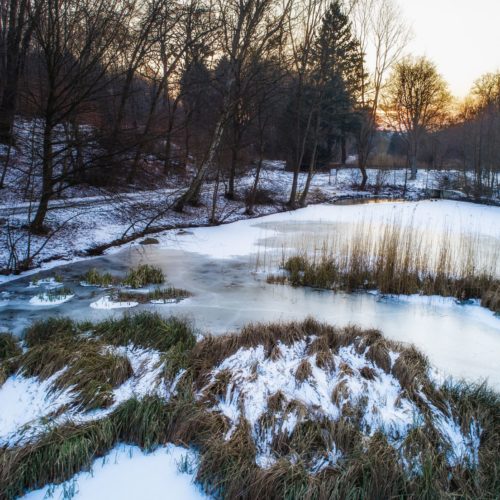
<point x="9" y="347"/>
<point x="96" y="278"/>
<point x="378" y="354"/>
<point x="89" y="373"/>
<point x="340" y="392"/>
<point x="368" y="373"/>
<point x="303" y="372"/>
<point x="159" y="294"/>
<point x="49" y="329"/>
<point x="218" y="388"/>
<point x="491" y="299"/>
<point x="144" y="275"/>
<point x="411" y="369"/>
<point x="148" y="330"/>
<point x="275" y="402"/>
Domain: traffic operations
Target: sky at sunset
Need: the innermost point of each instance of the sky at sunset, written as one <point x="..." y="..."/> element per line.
<point x="461" y="36"/>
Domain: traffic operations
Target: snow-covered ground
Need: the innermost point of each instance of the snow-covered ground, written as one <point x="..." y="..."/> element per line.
<point x="127" y="473"/>
<point x="244" y="237"/>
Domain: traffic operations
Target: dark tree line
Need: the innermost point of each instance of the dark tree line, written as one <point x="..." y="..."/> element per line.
<point x="134" y="93"/>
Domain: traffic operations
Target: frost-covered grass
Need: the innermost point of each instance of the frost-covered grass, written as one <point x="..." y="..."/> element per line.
<point x="315" y="411"/>
<point x="285" y="410"/>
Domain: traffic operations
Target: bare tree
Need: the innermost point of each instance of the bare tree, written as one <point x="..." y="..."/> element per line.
<point x="73" y="37"/>
<point x="383" y="35"/>
<point x="303" y="22"/>
<point x="417" y="99"/>
<point x="250" y="28"/>
<point x="15" y="33"/>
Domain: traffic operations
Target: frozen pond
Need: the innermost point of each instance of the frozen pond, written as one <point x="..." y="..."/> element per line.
<point x="219" y="266"/>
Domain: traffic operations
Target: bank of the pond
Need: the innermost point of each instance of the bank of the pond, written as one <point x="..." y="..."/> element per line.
<point x="224" y="269"/>
<point x="293" y="409"/>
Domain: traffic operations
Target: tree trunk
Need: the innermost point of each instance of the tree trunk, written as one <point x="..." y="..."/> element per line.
<point x="47" y="182"/>
<point x="9" y="97"/>
<point x="364" y="177"/>
<point x="413" y="167"/>
<point x="343" y="148"/>
<point x="232" y="172"/>
<point x="312" y="164"/>
<point x="295" y="181"/>
<point x="195" y="187"/>
<point x="251" y="198"/>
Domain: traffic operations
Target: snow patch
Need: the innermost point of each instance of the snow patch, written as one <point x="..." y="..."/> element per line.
<point x="127" y="473"/>
<point x="106" y="303"/>
<point x="47" y="299"/>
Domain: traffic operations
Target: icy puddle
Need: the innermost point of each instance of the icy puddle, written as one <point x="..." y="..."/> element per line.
<point x="225" y="269"/>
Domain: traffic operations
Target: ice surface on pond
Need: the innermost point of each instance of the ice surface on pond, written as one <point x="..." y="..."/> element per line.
<point x="460" y="340"/>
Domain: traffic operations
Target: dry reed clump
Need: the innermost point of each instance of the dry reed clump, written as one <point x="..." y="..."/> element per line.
<point x="491" y="298"/>
<point x="96" y="278"/>
<point x="218" y="388"/>
<point x="303" y="372"/>
<point x="275" y="402"/>
<point x="400" y="260"/>
<point x="159" y="294"/>
<point x="211" y="351"/>
<point x="144" y="275"/>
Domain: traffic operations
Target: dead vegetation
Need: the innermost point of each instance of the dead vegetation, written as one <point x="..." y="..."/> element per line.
<point x="159" y="295"/>
<point x="9" y="354"/>
<point x="95" y="278"/>
<point x="399" y="261"/>
<point x="369" y="467"/>
<point x="144" y="275"/>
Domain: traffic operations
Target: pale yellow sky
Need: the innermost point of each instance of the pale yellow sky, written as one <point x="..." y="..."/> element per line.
<point x="461" y="36"/>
